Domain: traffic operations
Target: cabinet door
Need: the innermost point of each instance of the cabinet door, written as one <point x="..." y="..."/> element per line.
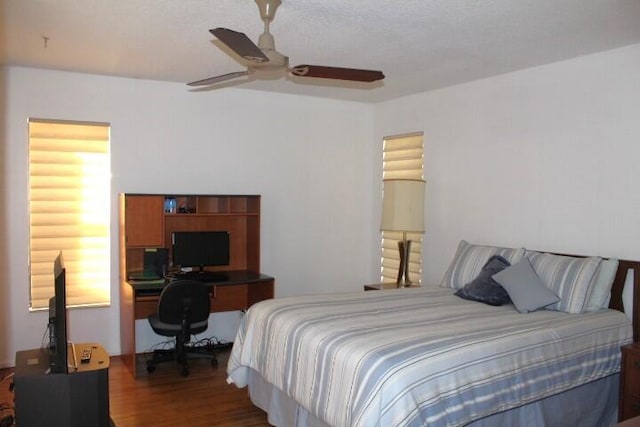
<point x="144" y="221"/>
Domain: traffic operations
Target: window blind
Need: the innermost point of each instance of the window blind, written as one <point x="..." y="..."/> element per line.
<point x="69" y="210"/>
<point x="402" y="158"/>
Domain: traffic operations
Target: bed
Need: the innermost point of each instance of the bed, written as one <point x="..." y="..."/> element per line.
<point x="425" y="356"/>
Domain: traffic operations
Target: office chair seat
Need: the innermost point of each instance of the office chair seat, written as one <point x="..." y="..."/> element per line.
<point x="171" y="330"/>
<point x="183" y="310"/>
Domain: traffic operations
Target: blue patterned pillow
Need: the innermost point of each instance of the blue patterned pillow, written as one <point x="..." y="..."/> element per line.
<point x="568" y="277"/>
<point x="470" y="259"/>
<point x="483" y="288"/>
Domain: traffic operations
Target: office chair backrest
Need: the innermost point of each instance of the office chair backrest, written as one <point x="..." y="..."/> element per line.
<point x="182" y="297"/>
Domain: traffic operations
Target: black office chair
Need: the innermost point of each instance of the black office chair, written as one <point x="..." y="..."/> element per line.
<point x="183" y="310"/>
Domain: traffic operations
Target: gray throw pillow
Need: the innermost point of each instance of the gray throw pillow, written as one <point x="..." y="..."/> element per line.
<point x="525" y="288"/>
<point x="483" y="288"/>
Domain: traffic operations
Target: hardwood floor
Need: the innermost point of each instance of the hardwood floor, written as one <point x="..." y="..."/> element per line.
<point x="165" y="398"/>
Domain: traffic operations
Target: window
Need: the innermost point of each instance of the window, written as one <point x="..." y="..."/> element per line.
<point x="403" y="158"/>
<point x="69" y="210"/>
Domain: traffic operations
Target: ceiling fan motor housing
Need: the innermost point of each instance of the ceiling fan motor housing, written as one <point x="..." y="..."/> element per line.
<point x="266" y="41"/>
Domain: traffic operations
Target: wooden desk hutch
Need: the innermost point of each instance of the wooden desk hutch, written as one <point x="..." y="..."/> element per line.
<point x="144" y="224"/>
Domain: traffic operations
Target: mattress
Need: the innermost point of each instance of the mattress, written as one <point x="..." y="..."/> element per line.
<point x="420" y="356"/>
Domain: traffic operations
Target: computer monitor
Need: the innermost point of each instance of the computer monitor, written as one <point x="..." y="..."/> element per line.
<point x="58" y="319"/>
<point x="200" y="249"/>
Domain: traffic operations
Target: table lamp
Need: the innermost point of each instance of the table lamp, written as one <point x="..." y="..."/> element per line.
<point x="403" y="210"/>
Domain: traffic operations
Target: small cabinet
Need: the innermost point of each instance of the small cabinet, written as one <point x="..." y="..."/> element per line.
<point x="144" y="221"/>
<point x="630" y="382"/>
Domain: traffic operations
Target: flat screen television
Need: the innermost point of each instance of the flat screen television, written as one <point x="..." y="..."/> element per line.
<point x="58" y="320"/>
<point x="199" y="249"/>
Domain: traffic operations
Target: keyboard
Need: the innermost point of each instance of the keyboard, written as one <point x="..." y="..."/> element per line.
<point x="202" y="276"/>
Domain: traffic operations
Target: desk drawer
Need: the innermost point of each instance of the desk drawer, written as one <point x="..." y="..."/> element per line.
<point x="146" y="306"/>
<point x="229" y="298"/>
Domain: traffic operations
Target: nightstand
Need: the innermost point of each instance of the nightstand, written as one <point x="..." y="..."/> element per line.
<point x="385" y="285"/>
<point x="629" y="382"/>
<point x="631" y="422"/>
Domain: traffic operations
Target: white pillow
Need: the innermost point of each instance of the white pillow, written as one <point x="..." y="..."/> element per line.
<point x="600" y="294"/>
<point x="627" y="294"/>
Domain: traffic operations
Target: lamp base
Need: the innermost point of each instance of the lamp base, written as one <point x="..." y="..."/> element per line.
<point x="404" y="247"/>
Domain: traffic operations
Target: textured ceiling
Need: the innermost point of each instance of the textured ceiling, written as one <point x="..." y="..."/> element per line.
<point x="419" y="44"/>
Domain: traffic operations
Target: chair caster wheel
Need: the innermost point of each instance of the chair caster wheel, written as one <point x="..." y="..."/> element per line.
<point x="185" y="372"/>
<point x="214" y="363"/>
<point x="151" y="368"/>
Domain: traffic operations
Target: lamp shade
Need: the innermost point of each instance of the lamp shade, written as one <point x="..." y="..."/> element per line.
<point x="403" y="205"/>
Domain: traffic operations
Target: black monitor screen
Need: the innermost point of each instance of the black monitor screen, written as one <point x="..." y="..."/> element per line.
<point x="58" y="319"/>
<point x="200" y="248"/>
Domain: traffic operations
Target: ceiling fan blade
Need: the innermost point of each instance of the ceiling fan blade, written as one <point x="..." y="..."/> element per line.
<point x="240" y="44"/>
<point x="219" y="79"/>
<point x="351" y="74"/>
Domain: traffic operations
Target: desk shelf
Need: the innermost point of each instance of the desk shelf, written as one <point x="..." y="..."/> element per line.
<point x="213" y="205"/>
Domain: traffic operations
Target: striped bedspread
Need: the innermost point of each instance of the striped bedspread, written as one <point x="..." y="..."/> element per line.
<point x="415" y="357"/>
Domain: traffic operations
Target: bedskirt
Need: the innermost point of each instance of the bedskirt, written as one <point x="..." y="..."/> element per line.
<point x="590" y="405"/>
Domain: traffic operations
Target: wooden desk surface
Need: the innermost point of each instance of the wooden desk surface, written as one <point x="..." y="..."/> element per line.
<point x="233" y="278"/>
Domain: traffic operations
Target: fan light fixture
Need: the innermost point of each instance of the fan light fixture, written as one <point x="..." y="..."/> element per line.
<point x="264" y="57"/>
<point x="268" y="9"/>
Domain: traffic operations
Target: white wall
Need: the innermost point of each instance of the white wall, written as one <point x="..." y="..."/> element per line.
<point x="309" y="158"/>
<point x="546" y="158"/>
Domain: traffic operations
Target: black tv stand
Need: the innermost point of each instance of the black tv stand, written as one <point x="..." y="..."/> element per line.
<point x="77" y="399"/>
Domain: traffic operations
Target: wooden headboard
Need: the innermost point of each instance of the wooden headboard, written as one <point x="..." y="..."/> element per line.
<point x="616" y="293"/>
<point x="615" y="302"/>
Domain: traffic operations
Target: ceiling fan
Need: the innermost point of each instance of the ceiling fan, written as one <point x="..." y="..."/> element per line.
<point x="263" y="59"/>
